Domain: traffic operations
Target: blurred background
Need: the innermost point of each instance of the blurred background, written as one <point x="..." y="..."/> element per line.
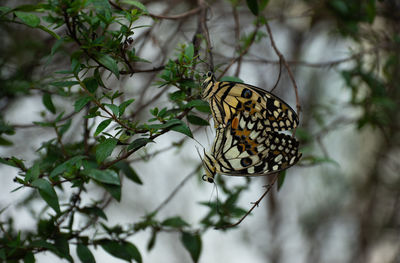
<point x="340" y="203"/>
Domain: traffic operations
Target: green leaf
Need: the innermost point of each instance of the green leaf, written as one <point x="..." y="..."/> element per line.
<point x="138" y="143"/>
<point x="48" y="102"/>
<point x="84" y="254"/>
<point x="65" y="166"/>
<point x="5" y="142"/>
<point x="181" y="127"/>
<point x="91" y="84"/>
<point x="29" y="19"/>
<point x="253" y="6"/>
<point x="124" y="250"/>
<point x="61" y="243"/>
<point x="113" y="190"/>
<point x="128" y="171"/>
<point x="61" y="84"/>
<point x="197" y="120"/>
<point x="263" y="4"/>
<point x="199" y="105"/>
<point x="102" y="126"/>
<point x="105" y="148"/>
<point x="109" y="63"/>
<point x="281" y="179"/>
<point x="13" y="161"/>
<point x="29" y="257"/>
<point x="33" y="172"/>
<point x="47" y="192"/>
<point x="47" y="30"/>
<point x="103" y="176"/>
<point x="133" y="251"/>
<point x="176" y="222"/>
<point x="189" y="52"/>
<point x="113" y="108"/>
<point x="192" y="243"/>
<point x="93" y="210"/>
<point x="137" y="4"/>
<point x="123" y="106"/>
<point x="81" y="102"/>
<point x="231" y="78"/>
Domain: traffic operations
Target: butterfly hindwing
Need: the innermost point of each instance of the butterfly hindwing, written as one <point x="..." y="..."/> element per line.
<point x="240" y="151"/>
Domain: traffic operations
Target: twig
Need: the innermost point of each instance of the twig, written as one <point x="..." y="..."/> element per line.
<point x="244" y="52"/>
<point x="255" y="204"/>
<point x="281" y="57"/>
<point x="204" y="29"/>
<point x="180" y="16"/>
<point x="176" y="189"/>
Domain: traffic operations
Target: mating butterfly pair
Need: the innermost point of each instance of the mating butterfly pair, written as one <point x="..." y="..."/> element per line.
<point x="247" y="120"/>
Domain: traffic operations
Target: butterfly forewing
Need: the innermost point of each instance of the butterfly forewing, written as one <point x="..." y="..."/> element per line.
<point x="230" y="98"/>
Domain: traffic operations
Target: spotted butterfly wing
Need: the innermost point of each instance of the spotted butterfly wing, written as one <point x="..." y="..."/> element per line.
<point x="228" y="98"/>
<point x="245" y="148"/>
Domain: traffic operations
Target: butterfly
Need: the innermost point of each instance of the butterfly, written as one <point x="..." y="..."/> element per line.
<point x="246" y="148"/>
<point x="227" y="98"/>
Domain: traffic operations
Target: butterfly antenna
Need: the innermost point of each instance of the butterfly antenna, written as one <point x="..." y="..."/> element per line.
<point x="279" y="76"/>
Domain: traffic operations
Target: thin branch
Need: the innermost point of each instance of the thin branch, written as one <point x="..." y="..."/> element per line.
<point x="180" y="16"/>
<point x="282" y="58"/>
<point x="256" y="203"/>
<point x="176" y="189"/>
<point x="244" y="52"/>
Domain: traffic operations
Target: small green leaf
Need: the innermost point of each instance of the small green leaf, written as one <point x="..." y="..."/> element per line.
<point x="197" y="120"/>
<point x="65" y="166"/>
<point x="102" y="126"/>
<point x="109" y="63"/>
<point x="199" y="105"/>
<point x="5" y="142"/>
<point x="47" y="192"/>
<point x="48" y="102"/>
<point x="61" y="243"/>
<point x="253" y="6"/>
<point x="182" y="128"/>
<point x="29" y="19"/>
<point x="192" y="243"/>
<point x="113" y="108"/>
<point x="61" y="84"/>
<point x="129" y="171"/>
<point x="189" y="52"/>
<point x="81" y="102"/>
<point x="137" y="4"/>
<point x="84" y="254"/>
<point x="123" y="106"/>
<point x="51" y="32"/>
<point x="231" y="78"/>
<point x="124" y="250"/>
<point x="105" y="148"/>
<point x="13" y="161"/>
<point x="93" y="210"/>
<point x="113" y="190"/>
<point x="176" y="222"/>
<point x="138" y="143"/>
<point x="281" y="179"/>
<point x="33" y="172"/>
<point x="29" y="257"/>
<point x="103" y="176"/>
<point x="91" y="84"/>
